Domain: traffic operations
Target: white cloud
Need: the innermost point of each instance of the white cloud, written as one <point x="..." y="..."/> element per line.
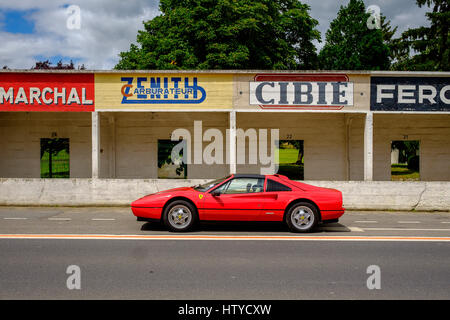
<point x="107" y="28"/>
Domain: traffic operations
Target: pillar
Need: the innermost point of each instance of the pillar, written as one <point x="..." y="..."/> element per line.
<point x="368" y="147"/>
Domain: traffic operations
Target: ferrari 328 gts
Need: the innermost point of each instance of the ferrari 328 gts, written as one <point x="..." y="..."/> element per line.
<point x="243" y="197"/>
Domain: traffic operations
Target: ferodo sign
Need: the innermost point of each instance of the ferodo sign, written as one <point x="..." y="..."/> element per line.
<point x="46" y="92"/>
<point x="306" y="91"/>
<point x="410" y="93"/>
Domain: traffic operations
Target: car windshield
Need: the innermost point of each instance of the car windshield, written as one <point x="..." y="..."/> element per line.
<point x="210" y="184"/>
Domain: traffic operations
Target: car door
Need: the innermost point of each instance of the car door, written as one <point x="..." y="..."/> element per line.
<point x="239" y="199"/>
<point x="277" y="196"/>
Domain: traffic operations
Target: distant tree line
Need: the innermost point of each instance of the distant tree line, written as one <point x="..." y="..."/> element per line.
<point x="47" y="65"/>
<point x="280" y="34"/>
<point x="59" y="66"/>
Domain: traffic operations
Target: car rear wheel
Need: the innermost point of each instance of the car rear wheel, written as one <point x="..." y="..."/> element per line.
<point x="179" y="216"/>
<point x="302" y="217"/>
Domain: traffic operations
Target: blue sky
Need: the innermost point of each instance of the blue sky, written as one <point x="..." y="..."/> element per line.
<point x="33" y="30"/>
<point x="20" y="22"/>
<point x="17" y="21"/>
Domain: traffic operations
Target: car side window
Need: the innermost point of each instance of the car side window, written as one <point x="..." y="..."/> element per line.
<point x="223" y="187"/>
<point x="276" y="186"/>
<point x="244" y="185"/>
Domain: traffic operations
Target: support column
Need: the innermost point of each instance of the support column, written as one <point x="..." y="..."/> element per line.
<point x="95" y="144"/>
<point x="347" y="136"/>
<point x="112" y="146"/>
<point x="368" y="147"/>
<point x="232" y="146"/>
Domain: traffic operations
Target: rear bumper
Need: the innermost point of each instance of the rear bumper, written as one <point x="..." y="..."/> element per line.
<point x="149" y="213"/>
<point x="332" y="214"/>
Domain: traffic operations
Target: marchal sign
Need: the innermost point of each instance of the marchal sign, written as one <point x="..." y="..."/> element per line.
<point x="47" y="92"/>
<point x="305" y="91"/>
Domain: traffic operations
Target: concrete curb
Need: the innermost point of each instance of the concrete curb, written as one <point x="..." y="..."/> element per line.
<point x="358" y="195"/>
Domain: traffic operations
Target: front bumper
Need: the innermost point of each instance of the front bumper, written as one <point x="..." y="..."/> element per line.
<point x="146" y="212"/>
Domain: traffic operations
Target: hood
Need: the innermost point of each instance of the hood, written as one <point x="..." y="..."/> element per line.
<point x="175" y="190"/>
<point x="158" y="197"/>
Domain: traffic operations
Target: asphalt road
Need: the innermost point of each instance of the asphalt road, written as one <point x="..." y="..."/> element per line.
<point x="120" y="220"/>
<point x="244" y="261"/>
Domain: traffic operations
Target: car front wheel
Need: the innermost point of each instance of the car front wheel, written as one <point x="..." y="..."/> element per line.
<point x="179" y="216"/>
<point x="302" y="217"/>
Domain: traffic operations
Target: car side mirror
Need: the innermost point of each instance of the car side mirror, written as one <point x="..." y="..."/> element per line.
<point x="215" y="193"/>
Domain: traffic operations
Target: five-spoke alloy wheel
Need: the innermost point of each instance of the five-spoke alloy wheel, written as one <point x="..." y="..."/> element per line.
<point x="302" y="217"/>
<point x="179" y="216"/>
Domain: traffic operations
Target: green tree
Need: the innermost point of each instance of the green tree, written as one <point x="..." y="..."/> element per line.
<point x="388" y="36"/>
<point x="351" y="45"/>
<point x="426" y="48"/>
<point x="53" y="148"/>
<point x="226" y="34"/>
<point x="165" y="148"/>
<point x="408" y="152"/>
<point x="406" y="149"/>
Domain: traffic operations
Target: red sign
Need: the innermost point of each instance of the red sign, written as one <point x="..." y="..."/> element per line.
<point x="301" y="91"/>
<point x="47" y="92"/>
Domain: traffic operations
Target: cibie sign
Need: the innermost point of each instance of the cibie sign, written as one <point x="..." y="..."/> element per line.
<point x="46" y="92"/>
<point x="161" y="90"/>
<point x="305" y="91"/>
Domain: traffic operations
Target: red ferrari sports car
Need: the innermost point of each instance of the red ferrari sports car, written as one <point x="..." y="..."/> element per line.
<point x="243" y="197"/>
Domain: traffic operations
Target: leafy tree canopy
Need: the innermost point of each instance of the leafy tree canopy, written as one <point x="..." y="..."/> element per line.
<point x="351" y="45"/>
<point x="226" y="34"/>
<point x="426" y="48"/>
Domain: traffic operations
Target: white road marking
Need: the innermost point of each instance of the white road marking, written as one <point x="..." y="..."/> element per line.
<point x="103" y="219"/>
<point x="15" y="218"/>
<point x="342" y="229"/>
<point x="445" y="221"/>
<point x="217" y="237"/>
<point x="403" y="229"/>
<point x="365" y="221"/>
<point x="408" y="222"/>
<point x="60" y="219"/>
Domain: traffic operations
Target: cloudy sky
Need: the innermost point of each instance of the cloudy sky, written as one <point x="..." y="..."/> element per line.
<point x="35" y="30"/>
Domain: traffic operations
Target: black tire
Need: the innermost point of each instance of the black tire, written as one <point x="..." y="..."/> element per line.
<point x="179" y="216"/>
<point x="302" y="217"/>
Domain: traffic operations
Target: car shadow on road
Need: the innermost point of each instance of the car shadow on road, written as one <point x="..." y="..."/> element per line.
<point x="244" y="226"/>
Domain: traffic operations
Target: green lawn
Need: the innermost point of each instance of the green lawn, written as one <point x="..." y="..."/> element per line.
<point x="400" y="172"/>
<point x="288" y="155"/>
<point x="60" y="165"/>
<point x="288" y="164"/>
